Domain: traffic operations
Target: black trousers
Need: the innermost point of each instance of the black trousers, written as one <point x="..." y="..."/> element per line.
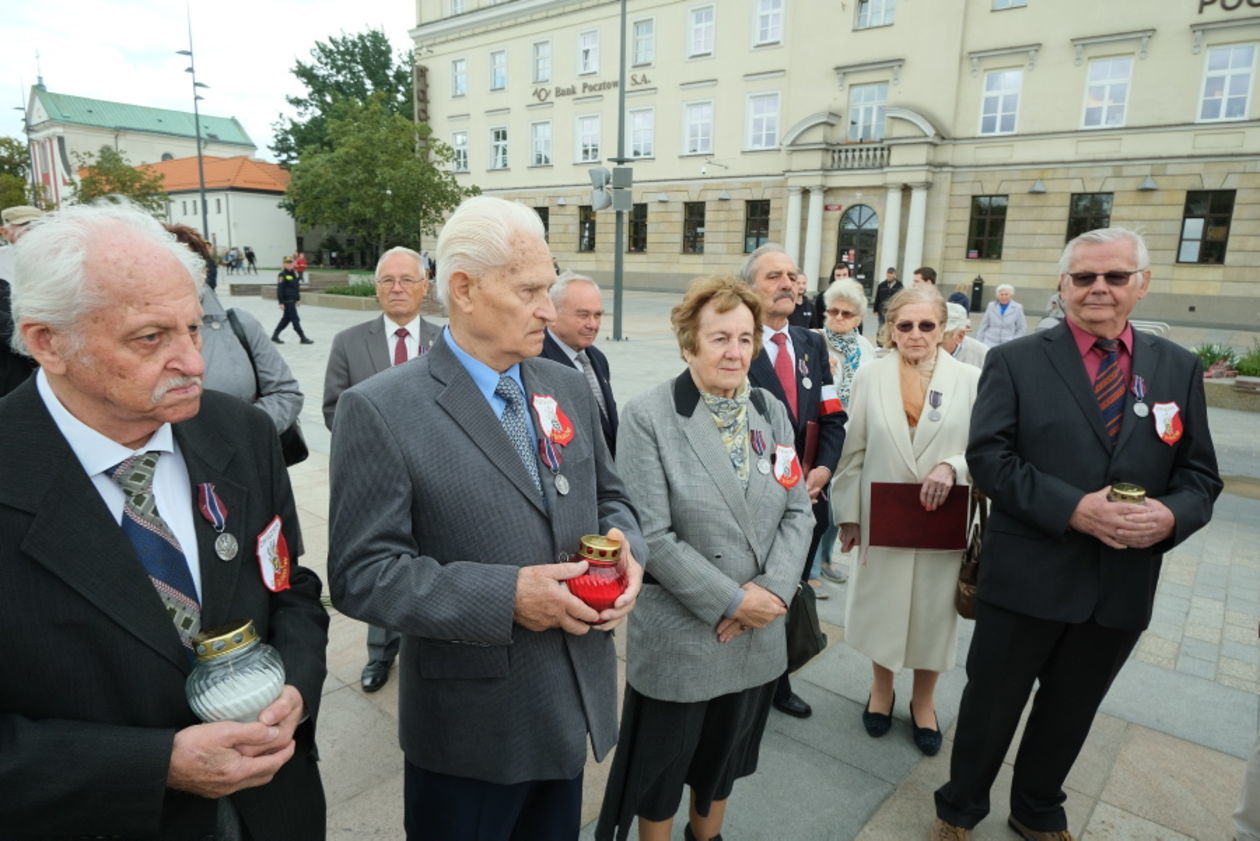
<point x="822" y="515"/>
<point x="441" y="807"/>
<point x="290" y="317"/>
<point x="1074" y="665"/>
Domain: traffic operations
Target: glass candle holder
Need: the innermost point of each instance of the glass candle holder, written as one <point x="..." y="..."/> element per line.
<point x="1127" y="492"/>
<point x="236" y="675"/>
<point x="602" y="582"/>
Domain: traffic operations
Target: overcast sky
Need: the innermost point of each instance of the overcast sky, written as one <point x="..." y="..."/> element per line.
<point x="124" y="51"/>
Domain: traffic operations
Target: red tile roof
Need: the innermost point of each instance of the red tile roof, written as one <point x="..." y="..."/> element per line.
<point x="241" y="173"/>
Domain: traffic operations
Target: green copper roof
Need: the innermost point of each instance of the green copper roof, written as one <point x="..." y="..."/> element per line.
<point x="119" y="115"/>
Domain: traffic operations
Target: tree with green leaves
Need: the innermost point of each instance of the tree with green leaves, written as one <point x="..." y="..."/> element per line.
<point x="15" y="158"/>
<point x="107" y="173"/>
<point x="375" y="182"/>
<point x="347" y="67"/>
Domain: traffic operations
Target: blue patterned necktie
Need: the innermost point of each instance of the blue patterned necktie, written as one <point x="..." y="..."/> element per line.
<point x="156" y="544"/>
<point x="1109" y="386"/>
<point x="513" y="421"/>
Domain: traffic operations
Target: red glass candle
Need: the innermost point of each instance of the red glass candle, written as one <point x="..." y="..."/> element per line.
<point x="602" y="582"/>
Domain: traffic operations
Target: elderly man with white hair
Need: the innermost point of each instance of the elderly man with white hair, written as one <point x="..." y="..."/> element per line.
<point x="461" y="486"/>
<point x="956" y="341"/>
<point x="1003" y="319"/>
<point x="571" y="339"/>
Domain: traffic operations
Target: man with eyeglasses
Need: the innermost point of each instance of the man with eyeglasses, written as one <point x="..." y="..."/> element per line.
<point x="1068" y="576"/>
<point x="398" y="335"/>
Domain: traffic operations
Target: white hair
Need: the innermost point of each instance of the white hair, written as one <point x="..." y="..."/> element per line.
<point x="50" y="273"/>
<point x="479" y="238"/>
<point x="1004" y="287"/>
<point x="1101" y="236"/>
<point x="748" y="272"/>
<point x="848" y="289"/>
<point x="401" y="249"/>
<point x="564" y="281"/>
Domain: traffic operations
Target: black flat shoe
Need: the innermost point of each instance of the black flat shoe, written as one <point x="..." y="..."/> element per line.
<point x="928" y="740"/>
<point x="877" y="724"/>
<point x="688" y="835"/>
<point x="375" y="675"/>
<point x="795" y="706"/>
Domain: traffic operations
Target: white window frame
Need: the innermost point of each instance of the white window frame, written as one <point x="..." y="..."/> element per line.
<point x="999" y="5"/>
<point x="588" y="52"/>
<point x="541" y="61"/>
<point x="587" y="152"/>
<point x="866" y="118"/>
<point x="457" y="7"/>
<point x="754" y="134"/>
<point x="497" y="160"/>
<point x="701" y="37"/>
<point x="1228" y="73"/>
<point x="872" y="13"/>
<point x="459" y="147"/>
<point x="641" y="138"/>
<point x="636" y="40"/>
<point x="704" y="128"/>
<point x="459" y="77"/>
<point x="1107" y="87"/>
<point x="497" y="84"/>
<point x="540" y="143"/>
<point x="1000" y="96"/>
<point x="765" y="29"/>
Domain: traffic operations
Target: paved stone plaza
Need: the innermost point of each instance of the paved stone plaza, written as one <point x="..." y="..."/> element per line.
<point x="1164" y="761"/>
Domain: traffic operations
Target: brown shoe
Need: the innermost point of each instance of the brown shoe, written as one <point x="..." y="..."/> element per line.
<point x="1036" y="834"/>
<point x="942" y="831"/>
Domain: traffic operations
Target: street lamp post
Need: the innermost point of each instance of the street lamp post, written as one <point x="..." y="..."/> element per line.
<point x="201" y="168"/>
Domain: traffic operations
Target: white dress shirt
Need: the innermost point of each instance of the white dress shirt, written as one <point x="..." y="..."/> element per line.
<point x="412" y="340"/>
<point x="771" y="349"/>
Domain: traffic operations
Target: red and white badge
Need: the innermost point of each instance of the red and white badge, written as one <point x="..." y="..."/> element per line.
<point x="1168" y="422"/>
<point x="830" y="402"/>
<point x="273" y="557"/>
<point x="787" y="469"/>
<point x="552" y="421"/>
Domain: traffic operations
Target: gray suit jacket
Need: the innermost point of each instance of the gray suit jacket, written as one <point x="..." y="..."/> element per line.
<point x="432" y="514"/>
<point x="357" y="353"/>
<point x="706" y="537"/>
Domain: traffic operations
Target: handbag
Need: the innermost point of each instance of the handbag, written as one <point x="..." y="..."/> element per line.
<point x="969" y="570"/>
<point x="805" y="637"/>
<point x="292" y="442"/>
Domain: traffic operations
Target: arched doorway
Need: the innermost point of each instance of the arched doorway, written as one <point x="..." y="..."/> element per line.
<point x="859" y="230"/>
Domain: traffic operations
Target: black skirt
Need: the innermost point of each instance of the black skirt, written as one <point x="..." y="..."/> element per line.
<point x="706" y="745"/>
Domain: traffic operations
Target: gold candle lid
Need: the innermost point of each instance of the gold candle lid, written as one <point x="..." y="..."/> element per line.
<point x="224" y="639"/>
<point x="599" y="549"/>
<point x="1127" y="492"/>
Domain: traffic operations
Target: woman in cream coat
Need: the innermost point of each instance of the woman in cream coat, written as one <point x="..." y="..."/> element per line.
<point x="908" y="422"/>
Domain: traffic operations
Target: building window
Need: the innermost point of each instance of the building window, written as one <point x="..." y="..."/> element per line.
<point x="644" y="41"/>
<point x="498" y="70"/>
<point x="588" y="138"/>
<point x="218" y="206"/>
<point x="1227" y="83"/>
<point x="698" y="127"/>
<point x="544" y="216"/>
<point x="1205" y="226"/>
<point x="756" y="224"/>
<point x="459" y="77"/>
<point x="693" y="227"/>
<point x="184" y="205"/>
<point x="586" y="228"/>
<point x="459" y="149"/>
<point x="499" y="148"/>
<point x="1107" y="92"/>
<point x="988" y="221"/>
<point x="542" y="61"/>
<point x="457" y="7"/>
<point x="768" y="24"/>
<point x="1088" y="212"/>
<point x="540" y="144"/>
<point x="866" y="111"/>
<point x="700" y="37"/>
<point x="999" y="5"/>
<point x="875" y="13"/>
<point x="588" y="51"/>
<point x="763" y="121"/>
<point x="636" y="241"/>
<point x="1001" y="101"/>
<point x="642" y="133"/>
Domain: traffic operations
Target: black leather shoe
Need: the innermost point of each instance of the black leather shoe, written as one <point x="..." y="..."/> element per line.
<point x="307" y="341"/>
<point x="277" y="340"/>
<point x="794" y="706"/>
<point x="877" y="724"/>
<point x="927" y="739"/>
<point x="375" y="675"/>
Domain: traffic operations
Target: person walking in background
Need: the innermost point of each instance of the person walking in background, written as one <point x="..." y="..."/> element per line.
<point x="299" y="266"/>
<point x="252" y="259"/>
<point x="924" y="274"/>
<point x="289" y="295"/>
<point x="1003" y="319"/>
<point x="839" y="272"/>
<point x="883" y="293"/>
<point x="803" y="314"/>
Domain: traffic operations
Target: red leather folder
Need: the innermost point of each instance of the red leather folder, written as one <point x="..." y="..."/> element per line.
<point x="810" y="457"/>
<point x="899" y="520"/>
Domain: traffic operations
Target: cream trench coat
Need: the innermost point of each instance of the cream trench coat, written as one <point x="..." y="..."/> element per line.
<point x="900" y="609"/>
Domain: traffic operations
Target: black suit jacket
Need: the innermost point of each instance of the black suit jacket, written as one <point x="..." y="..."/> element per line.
<point x="1038" y="445"/>
<point x="92" y="677"/>
<point x="599" y="364"/>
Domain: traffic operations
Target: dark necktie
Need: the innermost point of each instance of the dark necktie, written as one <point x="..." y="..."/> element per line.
<point x="513" y="421"/>
<point x="783" y="370"/>
<point x="400" y="348"/>
<point x="156" y="544"/>
<point x="584" y="362"/>
<point x="1109" y="386"/>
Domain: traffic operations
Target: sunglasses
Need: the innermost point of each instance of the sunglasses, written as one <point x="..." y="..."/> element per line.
<point x="833" y="312"/>
<point x="1084" y="279"/>
<point x="907" y="326"/>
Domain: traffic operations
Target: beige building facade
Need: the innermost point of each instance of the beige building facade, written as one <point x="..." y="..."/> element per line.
<point x="974" y="136"/>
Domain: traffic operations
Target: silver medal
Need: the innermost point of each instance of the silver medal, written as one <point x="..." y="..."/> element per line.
<point x="763" y="466"/>
<point x="1141" y="409"/>
<point x="807" y="383"/>
<point x="562" y="484"/>
<point x="934" y="415"/>
<point x="225" y="546"/>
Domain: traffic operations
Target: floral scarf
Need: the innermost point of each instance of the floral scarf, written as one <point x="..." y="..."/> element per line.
<point x="731" y="416"/>
<point x="846" y="345"/>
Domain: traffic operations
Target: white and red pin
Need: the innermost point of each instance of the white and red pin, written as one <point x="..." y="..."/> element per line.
<point x="274" y="562"/>
<point x="552" y="421"/>
<point x="1168" y="422"/>
<point x="787" y="469"/>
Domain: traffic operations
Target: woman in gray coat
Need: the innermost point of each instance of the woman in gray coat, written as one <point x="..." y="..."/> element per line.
<point x="710" y="465"/>
<point x="1003" y="319"/>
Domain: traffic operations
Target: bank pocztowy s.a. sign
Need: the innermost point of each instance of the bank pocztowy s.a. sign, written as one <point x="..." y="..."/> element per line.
<point x="636" y="80"/>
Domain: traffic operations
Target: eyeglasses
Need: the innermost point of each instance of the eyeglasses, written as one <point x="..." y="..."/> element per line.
<point x="833" y="312"/>
<point x="1084" y="279"/>
<point x="407" y="282"/>
<point x="907" y="326"/>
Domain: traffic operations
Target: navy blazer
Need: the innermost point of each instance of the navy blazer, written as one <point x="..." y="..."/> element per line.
<point x="599" y="364"/>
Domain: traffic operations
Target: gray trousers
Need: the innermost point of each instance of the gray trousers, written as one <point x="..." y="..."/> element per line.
<point x="382" y="644"/>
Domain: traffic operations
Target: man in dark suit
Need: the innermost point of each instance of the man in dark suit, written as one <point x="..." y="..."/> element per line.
<point x="796" y="369"/>
<point x="1067" y="576"/>
<point x="884" y="292"/>
<point x="462" y="484"/>
<point x="570" y="340"/>
<point x="108" y="571"/>
<point x="398" y="335"/>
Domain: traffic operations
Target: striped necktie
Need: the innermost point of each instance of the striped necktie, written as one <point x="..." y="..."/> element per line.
<point x="513" y="421"/>
<point x="1109" y="386"/>
<point x="592" y="380"/>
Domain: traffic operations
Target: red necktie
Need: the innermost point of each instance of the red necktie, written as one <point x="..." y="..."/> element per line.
<point x="400" y="349"/>
<point x="1109" y="386"/>
<point x="783" y="370"/>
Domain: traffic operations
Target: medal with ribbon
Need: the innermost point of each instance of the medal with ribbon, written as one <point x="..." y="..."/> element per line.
<point x="1139" y="395"/>
<point x="758" y="440"/>
<point x="215" y="512"/>
<point x="934" y="400"/>
<point x="551" y="457"/>
<point x="802" y="365"/>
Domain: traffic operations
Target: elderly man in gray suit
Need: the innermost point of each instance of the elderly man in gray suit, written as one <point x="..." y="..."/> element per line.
<point x="461" y="485"/>
<point x="399" y="334"/>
